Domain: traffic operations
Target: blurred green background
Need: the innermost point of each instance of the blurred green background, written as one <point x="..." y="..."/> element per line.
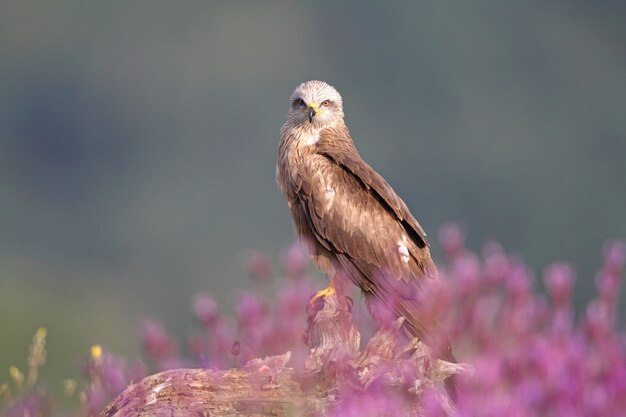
<point x="138" y="143"/>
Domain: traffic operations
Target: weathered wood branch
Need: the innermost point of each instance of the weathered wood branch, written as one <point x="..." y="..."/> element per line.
<point x="266" y="387"/>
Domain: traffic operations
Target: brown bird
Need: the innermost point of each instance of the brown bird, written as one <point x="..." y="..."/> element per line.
<point x="354" y="222"/>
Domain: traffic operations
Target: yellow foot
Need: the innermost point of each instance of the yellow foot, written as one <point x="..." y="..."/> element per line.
<point x="317" y="301"/>
<point x="324" y="293"/>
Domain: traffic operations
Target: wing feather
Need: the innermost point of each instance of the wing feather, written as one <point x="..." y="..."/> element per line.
<point x="351" y="216"/>
<point x="337" y="145"/>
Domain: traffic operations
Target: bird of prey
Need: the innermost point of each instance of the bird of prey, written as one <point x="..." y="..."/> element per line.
<point x="353" y="221"/>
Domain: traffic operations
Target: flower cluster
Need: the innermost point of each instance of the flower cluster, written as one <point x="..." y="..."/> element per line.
<point x="532" y="352"/>
<point x="531" y="355"/>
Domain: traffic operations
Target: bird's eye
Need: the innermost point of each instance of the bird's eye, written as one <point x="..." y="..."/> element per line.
<point x="298" y="102"/>
<point x="325" y="103"/>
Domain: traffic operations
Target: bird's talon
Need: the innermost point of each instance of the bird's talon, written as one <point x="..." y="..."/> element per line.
<point x="326" y="292"/>
<point x="317" y="300"/>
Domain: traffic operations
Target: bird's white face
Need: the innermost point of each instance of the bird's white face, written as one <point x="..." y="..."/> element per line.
<point x="315" y="104"/>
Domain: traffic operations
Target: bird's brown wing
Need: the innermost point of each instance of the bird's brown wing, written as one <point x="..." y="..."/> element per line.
<point x="355" y="215"/>
<point x="337" y="145"/>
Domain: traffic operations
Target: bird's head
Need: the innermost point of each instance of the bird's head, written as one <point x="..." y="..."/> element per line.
<point x="315" y="104"/>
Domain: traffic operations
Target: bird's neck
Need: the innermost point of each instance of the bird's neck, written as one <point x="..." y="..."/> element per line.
<point x="305" y="136"/>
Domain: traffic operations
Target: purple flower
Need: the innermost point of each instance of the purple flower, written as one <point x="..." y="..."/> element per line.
<point x="236" y="349"/>
<point x="615" y="257"/>
<point x="259" y="266"/>
<point x="205" y="309"/>
<point x="452" y="239"/>
<point x="559" y="279"/>
<point x="156" y="342"/>
<point x="249" y="309"/>
<point x="296" y="259"/>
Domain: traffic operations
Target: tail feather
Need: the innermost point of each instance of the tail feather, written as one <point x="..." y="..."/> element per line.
<point x="397" y="298"/>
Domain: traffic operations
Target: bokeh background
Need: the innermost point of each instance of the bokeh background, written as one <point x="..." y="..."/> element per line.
<point x="138" y="142"/>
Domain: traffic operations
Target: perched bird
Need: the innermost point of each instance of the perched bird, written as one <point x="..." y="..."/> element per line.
<point x="353" y="221"/>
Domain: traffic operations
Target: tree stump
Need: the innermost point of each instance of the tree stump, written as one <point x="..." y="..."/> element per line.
<point x="334" y="370"/>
